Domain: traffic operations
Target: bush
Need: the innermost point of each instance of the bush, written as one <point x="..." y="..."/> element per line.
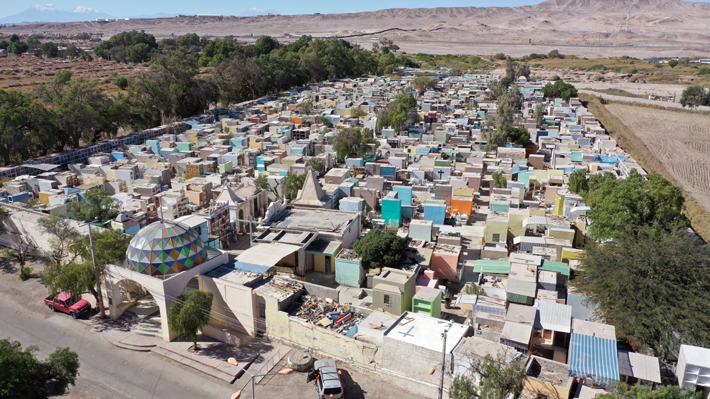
<point x="597" y="67"/>
<point x="499" y="56"/>
<point x="537" y="65"/>
<point x="122" y="83"/>
<point x="24" y="273"/>
<point x="704" y="71"/>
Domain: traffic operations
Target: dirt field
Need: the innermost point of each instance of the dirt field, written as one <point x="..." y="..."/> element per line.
<point x="24" y="73"/>
<point x="680" y="141"/>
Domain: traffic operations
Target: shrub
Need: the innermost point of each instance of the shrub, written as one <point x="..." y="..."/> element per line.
<point x="122" y="83"/>
<point x="597" y="67"/>
<point x="24" y="273"/>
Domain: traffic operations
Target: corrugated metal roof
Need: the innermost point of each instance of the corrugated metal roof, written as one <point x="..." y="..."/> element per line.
<point x="553" y="266"/>
<point x="526" y="288"/>
<point x="517" y="332"/>
<point x="554" y="316"/>
<point x="595" y="358"/>
<point x="492" y="266"/>
<point x="645" y="367"/>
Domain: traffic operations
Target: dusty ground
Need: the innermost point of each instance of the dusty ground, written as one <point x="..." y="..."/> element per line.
<point x="680" y="141"/>
<point x="24" y="73"/>
<point x="581" y="27"/>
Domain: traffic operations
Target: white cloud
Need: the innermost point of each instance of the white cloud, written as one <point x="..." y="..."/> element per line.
<point x="85" y="9"/>
<point x="47" y="7"/>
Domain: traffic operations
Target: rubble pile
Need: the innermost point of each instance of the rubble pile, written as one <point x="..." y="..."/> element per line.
<point x="328" y="314"/>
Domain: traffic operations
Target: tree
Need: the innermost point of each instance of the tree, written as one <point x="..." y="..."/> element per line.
<point x="559" y="89"/>
<point x="423" y="83"/>
<point x="122" y="83"/>
<point x="620" y="207"/>
<point x="499" y="181"/>
<point x="622" y="391"/>
<point x="24" y="376"/>
<point x="325" y="121"/>
<point x="262" y="181"/>
<point x="305" y="107"/>
<point x="97" y="203"/>
<point x="497" y="379"/>
<point x="3" y="227"/>
<point x="520" y="136"/>
<point x="50" y="50"/>
<point x="189" y="314"/>
<point x="578" y="183"/>
<point x="653" y="286"/>
<point x="357" y="113"/>
<point x="539" y="115"/>
<point x="352" y="142"/>
<point x="294" y="183"/>
<point x="61" y="233"/>
<point x="672" y="63"/>
<point x="78" y="274"/>
<point x="317" y="164"/>
<point x="694" y="96"/>
<point x="131" y="46"/>
<point x="380" y="249"/>
<point x="399" y="114"/>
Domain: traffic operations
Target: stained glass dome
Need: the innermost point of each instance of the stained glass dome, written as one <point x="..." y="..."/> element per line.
<point x="165" y="247"/>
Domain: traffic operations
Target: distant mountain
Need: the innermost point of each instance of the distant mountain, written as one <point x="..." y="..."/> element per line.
<point x="52" y="13"/>
<point x="253" y="12"/>
<point x="149" y="16"/>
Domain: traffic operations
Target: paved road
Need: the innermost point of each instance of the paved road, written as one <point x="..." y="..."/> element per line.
<point x="632" y="100"/>
<point x="106" y="371"/>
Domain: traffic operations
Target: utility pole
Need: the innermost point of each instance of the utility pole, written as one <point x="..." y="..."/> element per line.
<point x="96" y="273"/>
<point x="443" y="361"/>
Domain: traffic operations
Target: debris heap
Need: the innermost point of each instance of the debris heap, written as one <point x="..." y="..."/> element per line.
<point x="328" y="314"/>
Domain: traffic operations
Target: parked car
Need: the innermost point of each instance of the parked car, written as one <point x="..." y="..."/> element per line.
<point x="327" y="379"/>
<point x="65" y="302"/>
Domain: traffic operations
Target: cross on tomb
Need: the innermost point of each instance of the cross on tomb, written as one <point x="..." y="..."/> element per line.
<point x="441" y="172"/>
<point x="407" y="334"/>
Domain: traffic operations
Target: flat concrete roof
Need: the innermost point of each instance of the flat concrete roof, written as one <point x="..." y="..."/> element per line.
<point x="595" y="329"/>
<point x="323" y="220"/>
<point x="475" y="346"/>
<point x="426" y="332"/>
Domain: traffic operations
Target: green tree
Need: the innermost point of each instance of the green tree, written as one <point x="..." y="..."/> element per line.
<point x="499" y="181"/>
<point x="325" y="121"/>
<point x="190" y="313"/>
<point x="578" y="183"/>
<point x="520" y="136"/>
<point x="559" y="89"/>
<point x="620" y="207"/>
<point x="78" y="275"/>
<point x="62" y="234"/>
<point x="262" y="181"/>
<point x="3" y="226"/>
<point x="83" y="111"/>
<point x="24" y="376"/>
<point x="498" y="379"/>
<point x="294" y="182"/>
<point x="352" y="142"/>
<point x="317" y="164"/>
<point x="672" y="63"/>
<point x="50" y="50"/>
<point x="130" y="46"/>
<point x="399" y="114"/>
<point x="97" y="203"/>
<point x="423" y="83"/>
<point x="122" y="83"/>
<point x="17" y="47"/>
<point x="357" y="113"/>
<point x="380" y="249"/>
<point x="26" y="128"/>
<point x="653" y="286"/>
<point x="694" y="96"/>
<point x="622" y="391"/>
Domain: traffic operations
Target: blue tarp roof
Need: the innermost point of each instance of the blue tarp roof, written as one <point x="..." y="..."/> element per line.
<point x="603" y="159"/>
<point x="595" y="358"/>
<point x="249" y="267"/>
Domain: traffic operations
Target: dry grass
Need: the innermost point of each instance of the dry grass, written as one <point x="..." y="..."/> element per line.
<point x="674" y="144"/>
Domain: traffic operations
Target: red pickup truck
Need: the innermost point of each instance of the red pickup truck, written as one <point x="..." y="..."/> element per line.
<point x="65" y="302"/>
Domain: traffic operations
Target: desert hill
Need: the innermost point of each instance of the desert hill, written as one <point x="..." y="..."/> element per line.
<point x="590" y="28"/>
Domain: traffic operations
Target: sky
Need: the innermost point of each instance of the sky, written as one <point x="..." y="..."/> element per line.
<point x="120" y="8"/>
<point x="123" y="8"/>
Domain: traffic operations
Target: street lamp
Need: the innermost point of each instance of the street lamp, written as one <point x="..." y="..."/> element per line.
<point x="238" y="394"/>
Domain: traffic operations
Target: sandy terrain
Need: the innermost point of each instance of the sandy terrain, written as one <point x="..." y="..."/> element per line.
<point x="24" y="73"/>
<point x="586" y="28"/>
<point x="680" y="141"/>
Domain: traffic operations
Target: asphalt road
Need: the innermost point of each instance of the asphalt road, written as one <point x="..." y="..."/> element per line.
<point x="106" y="371"/>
